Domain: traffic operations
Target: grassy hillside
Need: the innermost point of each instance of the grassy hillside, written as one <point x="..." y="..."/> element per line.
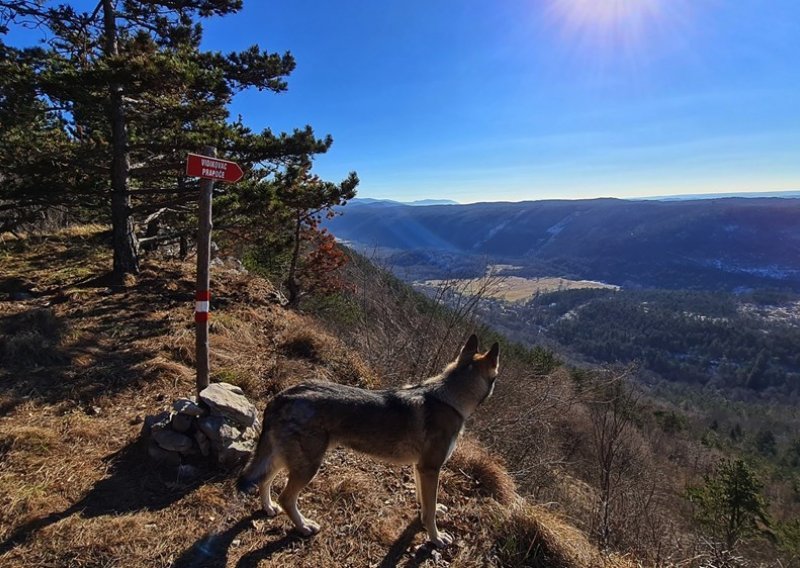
<point x="81" y="363"/>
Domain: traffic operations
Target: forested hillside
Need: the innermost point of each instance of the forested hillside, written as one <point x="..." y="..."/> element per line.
<point x="702" y="244"/>
<point x="731" y="342"/>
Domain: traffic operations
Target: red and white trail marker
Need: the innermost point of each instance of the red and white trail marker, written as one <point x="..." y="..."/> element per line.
<point x="202" y="302"/>
<point x="213" y="168"/>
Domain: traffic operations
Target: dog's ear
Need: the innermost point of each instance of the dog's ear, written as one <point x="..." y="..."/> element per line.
<point x="493" y="355"/>
<point x="469" y="349"/>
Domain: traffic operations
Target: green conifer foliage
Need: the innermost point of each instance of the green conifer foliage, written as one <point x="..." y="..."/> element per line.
<point x="102" y="114"/>
<point x="729" y="505"/>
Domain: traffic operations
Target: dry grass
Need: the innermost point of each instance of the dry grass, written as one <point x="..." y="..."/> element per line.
<point x="304" y="339"/>
<point x="30" y="339"/>
<point x="486" y="474"/>
<point x="77" y="490"/>
<point x="536" y="538"/>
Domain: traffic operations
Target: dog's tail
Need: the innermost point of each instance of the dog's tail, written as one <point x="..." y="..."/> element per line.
<point x="259" y="463"/>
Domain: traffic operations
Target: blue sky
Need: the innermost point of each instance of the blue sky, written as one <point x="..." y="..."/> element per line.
<point x="513" y="100"/>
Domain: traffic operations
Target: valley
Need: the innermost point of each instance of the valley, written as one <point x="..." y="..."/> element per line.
<point x="731" y="244"/>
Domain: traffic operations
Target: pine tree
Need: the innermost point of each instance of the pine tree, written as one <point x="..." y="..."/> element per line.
<point x="729" y="504"/>
<point x="310" y="199"/>
<point x="129" y="92"/>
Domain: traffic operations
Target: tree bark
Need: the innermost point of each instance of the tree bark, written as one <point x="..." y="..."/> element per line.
<point x="126" y="257"/>
<point x="292" y="286"/>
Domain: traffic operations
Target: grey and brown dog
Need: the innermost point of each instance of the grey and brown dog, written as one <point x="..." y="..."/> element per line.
<point x="413" y="425"/>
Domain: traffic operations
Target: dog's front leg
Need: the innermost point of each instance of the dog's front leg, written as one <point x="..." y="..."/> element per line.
<point x="429" y="488"/>
<point x="440" y="508"/>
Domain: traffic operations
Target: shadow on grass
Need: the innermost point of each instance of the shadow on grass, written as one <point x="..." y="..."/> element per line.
<point x="133" y="485"/>
<point x="399" y="548"/>
<point x="95" y="348"/>
<point x="211" y="551"/>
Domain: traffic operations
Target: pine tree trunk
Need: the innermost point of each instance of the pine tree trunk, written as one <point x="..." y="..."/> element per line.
<point x="126" y="260"/>
<point x="292" y="285"/>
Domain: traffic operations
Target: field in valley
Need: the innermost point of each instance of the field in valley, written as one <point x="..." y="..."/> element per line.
<point x="512" y="288"/>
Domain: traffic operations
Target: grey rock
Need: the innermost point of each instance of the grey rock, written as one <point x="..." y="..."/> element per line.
<point x="231" y="388"/>
<point x="251" y="433"/>
<point x="187" y="472"/>
<point x="235" y="454"/>
<point x="189" y="407"/>
<point x="229" y="401"/>
<point x="202" y="443"/>
<point x="155" y="422"/>
<point x="181" y="422"/>
<point x="218" y="431"/>
<point x="160" y="455"/>
<point x="172" y="441"/>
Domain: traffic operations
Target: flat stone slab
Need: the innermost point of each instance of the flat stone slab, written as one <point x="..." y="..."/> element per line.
<point x="189" y="407"/>
<point x="160" y="455"/>
<point x="229" y="401"/>
<point x="172" y="440"/>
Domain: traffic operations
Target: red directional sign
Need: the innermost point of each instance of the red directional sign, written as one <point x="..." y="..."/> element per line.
<point x="213" y="168"/>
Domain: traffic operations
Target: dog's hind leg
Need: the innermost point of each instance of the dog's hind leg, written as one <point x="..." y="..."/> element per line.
<point x="302" y="470"/>
<point x="265" y="488"/>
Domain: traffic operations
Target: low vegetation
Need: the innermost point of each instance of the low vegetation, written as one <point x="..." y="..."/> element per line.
<point x="76" y="487"/>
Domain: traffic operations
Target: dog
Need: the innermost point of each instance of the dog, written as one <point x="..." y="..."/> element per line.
<point x="416" y="425"/>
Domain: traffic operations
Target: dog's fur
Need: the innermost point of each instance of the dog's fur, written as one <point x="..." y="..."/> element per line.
<point x="414" y="425"/>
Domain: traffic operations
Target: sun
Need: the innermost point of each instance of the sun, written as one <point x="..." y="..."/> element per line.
<point x="605" y="13"/>
<point x="608" y="23"/>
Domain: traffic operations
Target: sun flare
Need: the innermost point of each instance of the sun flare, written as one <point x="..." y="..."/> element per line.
<point x="608" y="23"/>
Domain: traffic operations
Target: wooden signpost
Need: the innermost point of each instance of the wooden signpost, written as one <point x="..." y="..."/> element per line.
<point x="209" y="168"/>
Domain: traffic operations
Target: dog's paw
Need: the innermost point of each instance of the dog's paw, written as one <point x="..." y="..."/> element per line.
<point x="269" y="510"/>
<point x="442" y="540"/>
<point x="441" y="509"/>
<point x="308" y="528"/>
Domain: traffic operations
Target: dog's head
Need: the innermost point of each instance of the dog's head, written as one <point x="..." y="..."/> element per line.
<point x="483" y="366"/>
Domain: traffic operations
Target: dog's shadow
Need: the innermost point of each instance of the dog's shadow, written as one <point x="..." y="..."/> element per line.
<point x="133" y="485"/>
<point x="211" y="551"/>
<point x="399" y="549"/>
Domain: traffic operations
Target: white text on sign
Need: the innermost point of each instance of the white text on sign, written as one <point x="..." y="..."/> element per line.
<point x="213" y="168"/>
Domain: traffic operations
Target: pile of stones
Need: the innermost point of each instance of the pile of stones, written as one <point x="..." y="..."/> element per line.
<point x="221" y="425"/>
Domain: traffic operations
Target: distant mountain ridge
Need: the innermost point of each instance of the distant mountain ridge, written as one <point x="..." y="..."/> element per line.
<point x="789" y="194"/>
<point x="700" y="244"/>
<point x="418" y="203"/>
